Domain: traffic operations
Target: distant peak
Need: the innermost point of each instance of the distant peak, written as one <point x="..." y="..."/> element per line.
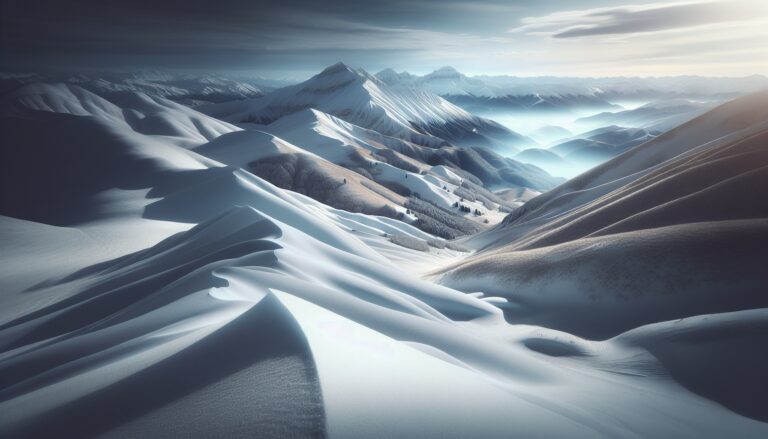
<point x="338" y="74"/>
<point x="387" y="72"/>
<point x="339" y="67"/>
<point x="445" y="71"/>
<point x="390" y="76"/>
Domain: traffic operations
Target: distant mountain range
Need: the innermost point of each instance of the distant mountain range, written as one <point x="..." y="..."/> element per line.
<point x="660" y="115"/>
<point x="447" y="81"/>
<point x="493" y="95"/>
<point x="362" y="99"/>
<point x="579" y="153"/>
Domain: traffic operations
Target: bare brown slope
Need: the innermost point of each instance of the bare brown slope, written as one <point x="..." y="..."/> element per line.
<point x="683" y="237"/>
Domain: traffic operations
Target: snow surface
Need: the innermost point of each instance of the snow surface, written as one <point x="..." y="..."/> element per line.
<point x="193" y="299"/>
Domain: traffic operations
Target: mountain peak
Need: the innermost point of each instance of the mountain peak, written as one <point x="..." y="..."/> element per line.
<point x="339" y="67"/>
<point x="390" y="76"/>
<point x="446" y="71"/>
<point x="341" y="73"/>
<point x="335" y="76"/>
<point x="389" y="71"/>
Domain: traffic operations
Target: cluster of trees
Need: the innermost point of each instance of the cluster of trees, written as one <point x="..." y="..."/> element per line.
<point x="467" y="209"/>
<point x="462" y="207"/>
<point x="440" y="222"/>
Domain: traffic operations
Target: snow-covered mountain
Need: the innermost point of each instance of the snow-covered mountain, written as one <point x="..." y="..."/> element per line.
<point x="448" y="81"/>
<point x="445" y="81"/>
<point x="149" y="290"/>
<point x="357" y="97"/>
<point x="488" y="95"/>
<point x="314" y="153"/>
<point x="391" y="77"/>
<point x="479" y="97"/>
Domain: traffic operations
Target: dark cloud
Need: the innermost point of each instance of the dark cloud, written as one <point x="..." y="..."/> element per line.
<point x="234" y="33"/>
<point x="302" y="36"/>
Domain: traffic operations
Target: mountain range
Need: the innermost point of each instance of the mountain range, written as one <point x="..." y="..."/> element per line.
<point x="447" y="81"/>
<point x="360" y="98"/>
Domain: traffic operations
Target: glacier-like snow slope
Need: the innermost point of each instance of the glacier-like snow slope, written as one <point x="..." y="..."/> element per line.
<point x="276" y="316"/>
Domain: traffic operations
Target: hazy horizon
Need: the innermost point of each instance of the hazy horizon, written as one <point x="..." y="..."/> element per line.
<point x="295" y="76"/>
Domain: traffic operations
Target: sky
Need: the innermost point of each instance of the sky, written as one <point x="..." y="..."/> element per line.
<point x="295" y="38"/>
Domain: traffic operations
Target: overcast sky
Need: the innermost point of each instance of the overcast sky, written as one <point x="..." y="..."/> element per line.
<point x="294" y="38"/>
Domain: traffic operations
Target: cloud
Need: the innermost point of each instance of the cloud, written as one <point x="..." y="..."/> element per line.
<point x="632" y="19"/>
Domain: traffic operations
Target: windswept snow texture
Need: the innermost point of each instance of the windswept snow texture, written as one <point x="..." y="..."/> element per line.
<point x="150" y="290"/>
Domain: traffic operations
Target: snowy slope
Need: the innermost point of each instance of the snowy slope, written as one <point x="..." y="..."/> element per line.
<point x="336" y="353"/>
